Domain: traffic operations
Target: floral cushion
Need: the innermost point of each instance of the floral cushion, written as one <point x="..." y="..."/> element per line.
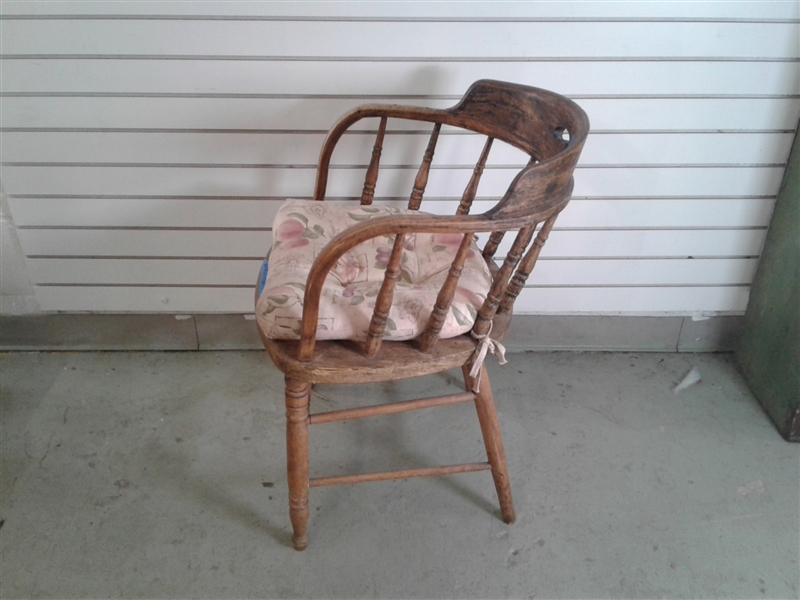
<point x="303" y="227"/>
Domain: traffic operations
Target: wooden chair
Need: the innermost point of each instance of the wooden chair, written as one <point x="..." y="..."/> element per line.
<point x="549" y="129"/>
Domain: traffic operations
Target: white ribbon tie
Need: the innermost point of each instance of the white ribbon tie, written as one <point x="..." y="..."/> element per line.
<point x="486" y="345"/>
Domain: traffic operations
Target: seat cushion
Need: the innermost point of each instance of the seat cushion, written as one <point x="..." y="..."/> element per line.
<point x="303" y="227"/>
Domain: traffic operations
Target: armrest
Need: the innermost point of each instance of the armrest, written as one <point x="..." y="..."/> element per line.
<point x="361" y="232"/>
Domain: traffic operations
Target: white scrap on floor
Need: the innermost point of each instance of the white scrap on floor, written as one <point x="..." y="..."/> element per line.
<point x="691" y="378"/>
<point x="754" y="487"/>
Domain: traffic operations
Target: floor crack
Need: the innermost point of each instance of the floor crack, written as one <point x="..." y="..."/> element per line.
<point x="47" y="451"/>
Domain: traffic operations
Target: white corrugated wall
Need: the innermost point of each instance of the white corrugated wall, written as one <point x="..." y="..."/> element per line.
<point x="146" y="145"/>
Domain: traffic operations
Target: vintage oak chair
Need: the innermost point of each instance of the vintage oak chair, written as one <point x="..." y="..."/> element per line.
<point x="435" y="300"/>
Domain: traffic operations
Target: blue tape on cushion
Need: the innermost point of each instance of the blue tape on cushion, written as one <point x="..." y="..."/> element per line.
<point x="262" y="277"/>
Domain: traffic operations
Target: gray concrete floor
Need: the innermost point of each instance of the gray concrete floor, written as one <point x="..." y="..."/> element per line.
<point x="155" y="475"/>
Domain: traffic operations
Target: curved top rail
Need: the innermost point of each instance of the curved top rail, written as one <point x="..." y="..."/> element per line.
<point x="548" y="127"/>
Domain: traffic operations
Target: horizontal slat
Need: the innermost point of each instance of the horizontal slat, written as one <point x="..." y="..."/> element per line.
<point x="402" y="474"/>
<point x="640" y="243"/>
<point x="642" y="301"/>
<point x="254" y="244"/>
<point x="223" y="213"/>
<point x="114" y="271"/>
<point x="156" y="243"/>
<point x="319" y="114"/>
<point x="143" y="212"/>
<point x="161" y="300"/>
<point x="397" y="9"/>
<point x="292" y="149"/>
<point x="633" y="300"/>
<point x="633" y="272"/>
<point x="396" y="78"/>
<point x="390" y="39"/>
<point x="288" y="182"/>
<point x="749" y="212"/>
<point x="391" y="408"/>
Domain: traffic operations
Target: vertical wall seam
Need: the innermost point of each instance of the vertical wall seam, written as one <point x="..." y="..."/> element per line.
<point x="196" y="333"/>
<point x="680" y="332"/>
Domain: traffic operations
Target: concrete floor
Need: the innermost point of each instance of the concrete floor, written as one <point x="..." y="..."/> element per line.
<point x="157" y="475"/>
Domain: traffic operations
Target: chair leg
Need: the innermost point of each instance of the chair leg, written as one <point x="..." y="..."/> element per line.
<point x="297" y="396"/>
<point x="493" y="439"/>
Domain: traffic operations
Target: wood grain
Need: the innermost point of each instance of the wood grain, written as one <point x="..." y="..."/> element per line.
<point x="383" y="302"/>
<point x="368" y="193"/>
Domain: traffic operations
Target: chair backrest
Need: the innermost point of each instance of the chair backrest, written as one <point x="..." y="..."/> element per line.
<point x="547" y="127"/>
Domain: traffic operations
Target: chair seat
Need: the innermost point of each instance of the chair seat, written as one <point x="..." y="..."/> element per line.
<point x="343" y="361"/>
<point x="302" y="228"/>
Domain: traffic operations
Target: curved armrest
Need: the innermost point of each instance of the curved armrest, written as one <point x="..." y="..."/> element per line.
<point x="380" y="226"/>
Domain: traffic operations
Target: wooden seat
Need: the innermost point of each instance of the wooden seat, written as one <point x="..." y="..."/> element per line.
<point x="551" y="131"/>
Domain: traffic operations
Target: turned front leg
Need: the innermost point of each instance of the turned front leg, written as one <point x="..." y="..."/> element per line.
<point x="297" y="395"/>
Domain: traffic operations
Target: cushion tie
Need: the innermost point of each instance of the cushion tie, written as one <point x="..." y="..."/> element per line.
<point x="485" y="345"/>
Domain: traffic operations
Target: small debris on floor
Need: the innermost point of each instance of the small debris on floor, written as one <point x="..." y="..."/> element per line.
<point x="691" y="378"/>
<point x="754" y="487"/>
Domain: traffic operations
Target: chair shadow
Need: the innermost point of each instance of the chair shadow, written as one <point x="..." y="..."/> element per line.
<point x="390" y="437"/>
<point x="400" y="449"/>
<point x="175" y="476"/>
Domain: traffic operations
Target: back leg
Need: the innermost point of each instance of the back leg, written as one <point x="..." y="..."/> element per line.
<point x="493" y="440"/>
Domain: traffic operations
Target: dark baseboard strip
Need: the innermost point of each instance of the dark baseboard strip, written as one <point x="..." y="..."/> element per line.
<point x="134" y="332"/>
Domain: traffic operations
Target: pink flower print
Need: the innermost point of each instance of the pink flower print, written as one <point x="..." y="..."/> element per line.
<point x="355" y="295"/>
<point x="382" y="257"/>
<point x="411" y="308"/>
<point x="347" y="269"/>
<point x="452" y="241"/>
<point x="289" y="234"/>
<point x="318" y="209"/>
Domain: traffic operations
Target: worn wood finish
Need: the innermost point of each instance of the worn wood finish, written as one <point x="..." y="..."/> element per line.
<point x="530" y="119"/>
<point x="297" y="395"/>
<point x="525" y="267"/>
<point x="493" y="440"/>
<point x="472" y="187"/>
<point x="421" y="182"/>
<point x="343" y="361"/>
<point x="386" y="409"/>
<point x="368" y="193"/>
<point x="445" y="297"/>
<point x="383" y="302"/>
<point x="403" y="474"/>
<point x="490" y="248"/>
<point x="486" y="314"/>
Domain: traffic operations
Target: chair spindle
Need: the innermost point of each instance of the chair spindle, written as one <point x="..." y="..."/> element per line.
<point x="493" y="242"/>
<point x="445" y="296"/>
<point x="472" y="186"/>
<point x="383" y="303"/>
<point x="424" y="169"/>
<point x="371" y="179"/>
<point x="525" y="267"/>
<point x="500" y="282"/>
